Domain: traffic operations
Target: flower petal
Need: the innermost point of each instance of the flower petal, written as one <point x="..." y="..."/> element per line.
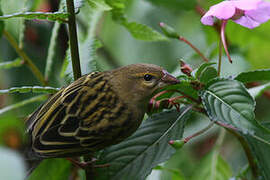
<point x="262" y="14"/>
<point x="223" y="11"/>
<point x="246" y="21"/>
<point x="246" y="4"/>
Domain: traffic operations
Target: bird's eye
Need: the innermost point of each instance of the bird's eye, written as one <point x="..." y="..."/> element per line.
<point x="147" y="77"/>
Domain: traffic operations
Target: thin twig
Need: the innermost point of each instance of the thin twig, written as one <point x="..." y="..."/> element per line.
<point x="199" y="132"/>
<point x="74" y="49"/>
<point x="193" y="47"/>
<point x="26" y="59"/>
<point x="219" y="57"/>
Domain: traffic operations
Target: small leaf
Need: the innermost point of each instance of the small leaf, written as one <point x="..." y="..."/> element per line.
<point x="258" y="90"/>
<point x="197" y="72"/>
<point x="208" y="74"/>
<point x="11" y="64"/>
<point x="55" y="16"/>
<point x="212" y="167"/>
<point x="253" y="76"/>
<point x="147" y="147"/>
<point x="177" y="144"/>
<point x="52" y="169"/>
<point x="168" y="31"/>
<point x="186" y="88"/>
<point x="51" y="50"/>
<point x="143" y="32"/>
<point x="99" y="4"/>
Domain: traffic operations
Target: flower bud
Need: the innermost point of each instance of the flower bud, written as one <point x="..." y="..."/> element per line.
<point x="177" y="144"/>
<point x="168" y="31"/>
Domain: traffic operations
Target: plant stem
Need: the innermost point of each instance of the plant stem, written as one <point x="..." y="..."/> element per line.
<point x="219" y="57"/>
<point x="199" y="132"/>
<point x="74" y="50"/>
<point x="25" y="58"/>
<point x="193" y="47"/>
<point x="223" y="39"/>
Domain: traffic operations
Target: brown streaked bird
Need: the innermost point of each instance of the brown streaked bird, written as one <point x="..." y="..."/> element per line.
<point x="97" y="110"/>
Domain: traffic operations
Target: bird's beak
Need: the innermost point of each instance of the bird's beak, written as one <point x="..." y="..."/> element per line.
<point x="169" y="79"/>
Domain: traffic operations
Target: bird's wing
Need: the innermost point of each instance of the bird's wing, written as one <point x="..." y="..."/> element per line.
<point x="57" y="127"/>
<point x="75" y="119"/>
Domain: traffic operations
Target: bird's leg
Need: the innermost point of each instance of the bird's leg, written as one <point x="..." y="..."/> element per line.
<point x="87" y="164"/>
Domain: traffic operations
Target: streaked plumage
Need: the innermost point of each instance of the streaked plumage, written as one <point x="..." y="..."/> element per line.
<point x="95" y="111"/>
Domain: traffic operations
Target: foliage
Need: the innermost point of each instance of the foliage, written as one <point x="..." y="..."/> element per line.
<point x="111" y="33"/>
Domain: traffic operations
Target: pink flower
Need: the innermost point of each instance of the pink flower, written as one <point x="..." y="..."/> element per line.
<point x="248" y="13"/>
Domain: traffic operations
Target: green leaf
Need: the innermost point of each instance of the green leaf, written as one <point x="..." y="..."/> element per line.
<point x="52" y="169"/>
<point x="146" y="148"/>
<point x="186" y="88"/>
<point x="228" y="102"/>
<point x="99" y="4"/>
<point x="27" y="89"/>
<point x="168" y="31"/>
<point x="90" y="44"/>
<point x="55" y="16"/>
<point x="11" y="64"/>
<point x="258" y="90"/>
<point x="143" y="32"/>
<point x="212" y="167"/>
<point x="23" y="103"/>
<point x="51" y="50"/>
<point x="197" y="72"/>
<point x="137" y="30"/>
<point x="253" y="76"/>
<point x="208" y="74"/>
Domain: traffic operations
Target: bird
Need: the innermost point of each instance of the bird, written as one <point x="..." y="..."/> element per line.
<point x="97" y="110"/>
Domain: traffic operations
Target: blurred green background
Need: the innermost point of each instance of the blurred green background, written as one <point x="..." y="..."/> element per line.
<point x="250" y="49"/>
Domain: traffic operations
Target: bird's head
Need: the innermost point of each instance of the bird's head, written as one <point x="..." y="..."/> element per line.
<point x="137" y="82"/>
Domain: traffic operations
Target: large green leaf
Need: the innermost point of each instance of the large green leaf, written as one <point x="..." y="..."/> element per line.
<point x="253" y="76"/>
<point x="52" y="169"/>
<point x="228" y="102"/>
<point x="135" y="157"/>
<point x="212" y="167"/>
